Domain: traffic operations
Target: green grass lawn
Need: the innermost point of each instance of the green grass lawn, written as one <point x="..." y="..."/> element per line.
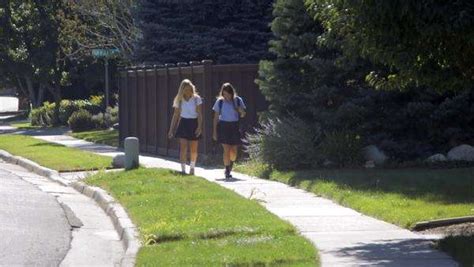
<point x="107" y="137"/>
<point x="399" y="196"/>
<point x="24" y="125"/>
<point x="188" y="221"/>
<point x="51" y="155"/>
<point x="459" y="247"/>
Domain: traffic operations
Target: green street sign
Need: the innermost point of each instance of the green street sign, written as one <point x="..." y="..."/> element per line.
<point x="101" y="52"/>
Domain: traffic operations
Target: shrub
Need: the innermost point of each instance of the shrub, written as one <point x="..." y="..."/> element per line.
<point x="105" y="120"/>
<point x="80" y="121"/>
<point x="113" y="114"/>
<point x="99" y="121"/>
<point x="43" y="116"/>
<point x="284" y="143"/>
<point x="342" y="148"/>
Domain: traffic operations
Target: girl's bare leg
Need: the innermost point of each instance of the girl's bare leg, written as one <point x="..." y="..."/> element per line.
<point x="194" y="155"/>
<point x="183" y="153"/>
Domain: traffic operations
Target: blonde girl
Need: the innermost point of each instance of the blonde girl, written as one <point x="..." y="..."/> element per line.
<point x="187" y="117"/>
<point x="228" y="110"/>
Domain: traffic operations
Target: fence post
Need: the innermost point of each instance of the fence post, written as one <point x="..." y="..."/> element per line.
<point x="121" y="104"/>
<point x="145" y="109"/>
<point x="157" y="137"/>
<point x="167" y="107"/>
<point x="207" y="114"/>
<point x="192" y="64"/>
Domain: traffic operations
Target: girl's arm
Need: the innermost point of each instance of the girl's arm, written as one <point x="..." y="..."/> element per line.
<point x="214" y="125"/>
<point x="199" y="118"/>
<point x="173" y="122"/>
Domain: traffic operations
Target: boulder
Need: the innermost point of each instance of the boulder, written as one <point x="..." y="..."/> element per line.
<point x="328" y="163"/>
<point x="369" y="164"/>
<point x="373" y="153"/>
<point x="119" y="161"/>
<point x="463" y="152"/>
<point x="437" y="158"/>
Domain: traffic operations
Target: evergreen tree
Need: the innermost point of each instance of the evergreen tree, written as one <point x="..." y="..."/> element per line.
<point x="226" y="31"/>
<point x="307" y="79"/>
<point x="423" y="43"/>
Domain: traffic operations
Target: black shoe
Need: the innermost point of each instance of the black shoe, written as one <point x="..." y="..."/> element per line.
<point x="227" y="173"/>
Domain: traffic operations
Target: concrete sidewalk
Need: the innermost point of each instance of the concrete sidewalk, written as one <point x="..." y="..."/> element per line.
<point x="343" y="236"/>
<point x="94" y="239"/>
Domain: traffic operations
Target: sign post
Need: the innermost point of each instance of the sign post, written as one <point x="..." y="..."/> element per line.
<point x="105" y="53"/>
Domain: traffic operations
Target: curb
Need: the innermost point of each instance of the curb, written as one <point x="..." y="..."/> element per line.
<point x="442" y="222"/>
<point x="33" y="167"/>
<point x="125" y="228"/>
<point x="123" y="225"/>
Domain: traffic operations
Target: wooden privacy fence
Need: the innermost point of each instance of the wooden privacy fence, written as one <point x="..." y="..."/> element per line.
<point x="146" y="94"/>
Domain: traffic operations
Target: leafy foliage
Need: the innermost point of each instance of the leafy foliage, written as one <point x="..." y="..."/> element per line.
<point x="224" y="31"/>
<point x="284" y="143"/>
<point x="81" y="121"/>
<point x="342" y="148"/>
<point x="424" y="42"/>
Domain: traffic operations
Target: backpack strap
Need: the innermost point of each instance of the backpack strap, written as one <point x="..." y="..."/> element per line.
<point x="220" y="103"/>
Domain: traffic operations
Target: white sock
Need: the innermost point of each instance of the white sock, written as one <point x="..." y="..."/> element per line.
<point x="183" y="167"/>
<point x="193" y="164"/>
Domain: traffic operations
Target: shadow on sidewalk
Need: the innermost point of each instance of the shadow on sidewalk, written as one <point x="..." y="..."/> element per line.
<point x="413" y="252"/>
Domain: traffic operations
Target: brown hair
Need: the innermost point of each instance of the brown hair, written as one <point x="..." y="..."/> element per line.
<point x="229" y="88"/>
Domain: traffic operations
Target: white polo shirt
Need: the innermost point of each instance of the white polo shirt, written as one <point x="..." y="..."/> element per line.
<point x="188" y="108"/>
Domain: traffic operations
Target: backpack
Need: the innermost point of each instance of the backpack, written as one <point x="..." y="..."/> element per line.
<point x="221" y="102"/>
<point x="242" y="126"/>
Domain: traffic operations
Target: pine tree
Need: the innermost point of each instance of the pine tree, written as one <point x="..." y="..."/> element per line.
<point x="224" y="31"/>
<point x="308" y="79"/>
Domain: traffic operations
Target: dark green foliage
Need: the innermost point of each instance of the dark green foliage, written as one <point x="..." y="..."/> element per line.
<point x="342" y="148"/>
<point x="414" y="124"/>
<point x="422" y="43"/>
<point x="319" y="77"/>
<point x="81" y="121"/>
<point x="226" y="31"/>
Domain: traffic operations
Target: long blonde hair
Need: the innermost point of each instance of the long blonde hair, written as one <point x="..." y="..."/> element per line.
<point x="179" y="97"/>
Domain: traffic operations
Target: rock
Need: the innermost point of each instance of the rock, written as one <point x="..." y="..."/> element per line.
<point x="328" y="163"/>
<point x="462" y="152"/>
<point x="119" y="161"/>
<point x="373" y="153"/>
<point x="369" y="164"/>
<point x="436" y="158"/>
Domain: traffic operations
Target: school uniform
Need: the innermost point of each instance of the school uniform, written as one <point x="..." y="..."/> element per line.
<point x="188" y="122"/>
<point x="228" y="131"/>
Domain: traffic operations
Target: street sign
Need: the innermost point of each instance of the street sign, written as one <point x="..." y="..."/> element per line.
<point x="103" y="52"/>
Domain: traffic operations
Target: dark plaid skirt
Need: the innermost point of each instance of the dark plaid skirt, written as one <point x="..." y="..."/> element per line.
<point x="187" y="129"/>
<point x="228" y="133"/>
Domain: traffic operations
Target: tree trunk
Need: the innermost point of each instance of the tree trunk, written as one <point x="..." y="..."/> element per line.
<point x="55" y="90"/>
<point x="36" y="97"/>
<point x="31" y="91"/>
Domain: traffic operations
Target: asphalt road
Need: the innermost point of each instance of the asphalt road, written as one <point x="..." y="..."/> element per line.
<point x="33" y="227"/>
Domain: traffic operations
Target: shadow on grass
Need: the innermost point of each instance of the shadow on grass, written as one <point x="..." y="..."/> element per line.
<point x="447" y="185"/>
<point x="155" y="239"/>
<point x="46" y="145"/>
